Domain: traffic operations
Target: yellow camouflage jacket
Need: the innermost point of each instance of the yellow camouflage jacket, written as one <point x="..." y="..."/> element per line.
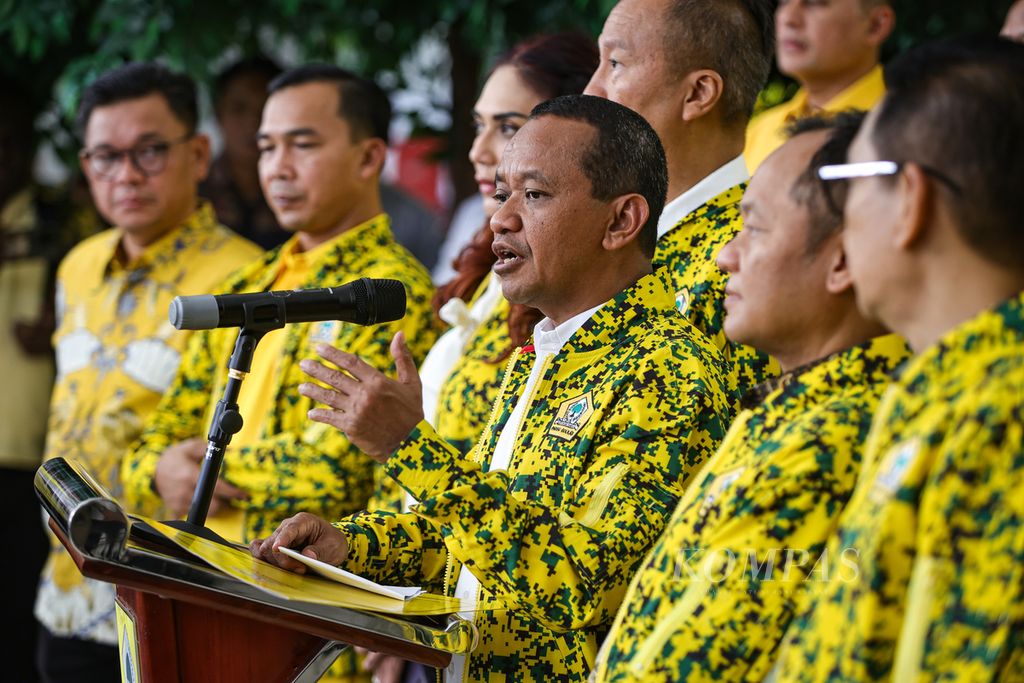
<point x="686" y="258"/>
<point x="937" y="523"/>
<point x="620" y="418"/>
<point x="297" y="465"/>
<point x="116" y="355"/>
<point x="712" y="600"/>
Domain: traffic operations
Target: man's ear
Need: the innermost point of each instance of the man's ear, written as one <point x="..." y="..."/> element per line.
<point x="630" y="214"/>
<point x="915" y="196"/>
<point x="703" y="89"/>
<point x="837" y="277"/>
<point x="199" y="148"/>
<point x="881" y="21"/>
<point x="375" y="152"/>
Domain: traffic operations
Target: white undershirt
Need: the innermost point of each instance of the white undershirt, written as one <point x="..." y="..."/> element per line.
<point x="548" y="340"/>
<point x="715" y="183"/>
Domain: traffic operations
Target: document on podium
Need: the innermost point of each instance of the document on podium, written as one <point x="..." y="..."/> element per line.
<point x="329" y="571"/>
<point x="283" y="583"/>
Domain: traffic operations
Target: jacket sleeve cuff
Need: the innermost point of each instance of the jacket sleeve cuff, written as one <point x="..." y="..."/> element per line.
<point x="426" y="465"/>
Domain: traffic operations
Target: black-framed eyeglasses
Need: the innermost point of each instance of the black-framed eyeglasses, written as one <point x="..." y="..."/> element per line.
<point x="149" y="158"/>
<point x="869" y="169"/>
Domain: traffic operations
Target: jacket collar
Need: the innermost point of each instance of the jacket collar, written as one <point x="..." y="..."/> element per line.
<point x="874" y="361"/>
<point x="621" y="317"/>
<point x="991" y="330"/>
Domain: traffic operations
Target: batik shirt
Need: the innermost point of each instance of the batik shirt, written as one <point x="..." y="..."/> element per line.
<point x="937" y="524"/>
<point x="296" y="464"/>
<point x="714" y="597"/>
<point x="116" y="355"/>
<point x="686" y="256"/>
<point x="620" y="418"/>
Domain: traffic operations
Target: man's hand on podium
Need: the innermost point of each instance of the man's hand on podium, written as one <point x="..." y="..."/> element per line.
<point x="308" y="534"/>
<point x="177" y="474"/>
<point x="374" y="411"/>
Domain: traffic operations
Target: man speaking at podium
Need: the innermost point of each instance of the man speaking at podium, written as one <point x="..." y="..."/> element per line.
<point x="599" y="424"/>
<point x="322" y="142"/>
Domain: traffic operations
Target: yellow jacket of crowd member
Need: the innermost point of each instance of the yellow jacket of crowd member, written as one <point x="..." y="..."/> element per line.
<point x="686" y="259"/>
<point x="937" y="524"/>
<point x="295" y="464"/>
<point x="620" y="418"/>
<point x="464" y="403"/>
<point x="714" y="597"/>
<point x="116" y="355"/>
<point x="767" y="131"/>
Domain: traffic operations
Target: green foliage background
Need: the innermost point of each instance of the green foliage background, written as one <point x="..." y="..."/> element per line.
<point x="54" y="47"/>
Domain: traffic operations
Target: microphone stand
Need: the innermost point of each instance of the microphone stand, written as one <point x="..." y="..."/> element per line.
<point x="227" y="422"/>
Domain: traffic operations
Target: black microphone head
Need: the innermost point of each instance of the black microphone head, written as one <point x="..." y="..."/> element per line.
<point x="385" y="300"/>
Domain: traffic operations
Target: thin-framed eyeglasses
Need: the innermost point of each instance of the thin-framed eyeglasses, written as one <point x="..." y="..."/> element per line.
<point x="869" y="169"/>
<point x="149" y="158"/>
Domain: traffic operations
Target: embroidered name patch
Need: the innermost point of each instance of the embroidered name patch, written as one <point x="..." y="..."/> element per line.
<point x="573" y="413"/>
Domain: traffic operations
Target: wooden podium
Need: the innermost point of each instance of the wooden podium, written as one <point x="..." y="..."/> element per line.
<point x="192" y="622"/>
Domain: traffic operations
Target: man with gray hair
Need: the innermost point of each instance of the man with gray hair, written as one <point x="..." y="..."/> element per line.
<point x="693" y="69"/>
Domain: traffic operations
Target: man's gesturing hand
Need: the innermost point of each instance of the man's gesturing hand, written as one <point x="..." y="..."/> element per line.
<point x="308" y="534"/>
<point x="375" y="412"/>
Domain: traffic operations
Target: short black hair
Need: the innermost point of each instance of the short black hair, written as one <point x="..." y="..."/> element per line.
<point x="735" y="38"/>
<point x="364" y="105"/>
<point x="135" y="80"/>
<point x="824" y="199"/>
<point x="258" y="65"/>
<point x="626" y="155"/>
<point x="957" y="106"/>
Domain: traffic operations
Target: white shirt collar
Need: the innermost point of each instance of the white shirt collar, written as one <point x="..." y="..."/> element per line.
<point x="712" y="185"/>
<point x="549" y="338"/>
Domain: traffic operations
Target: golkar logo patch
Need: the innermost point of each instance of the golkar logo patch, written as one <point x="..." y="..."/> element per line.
<point x="572" y="414"/>
<point x="325" y="332"/>
<point x="718" y="486"/>
<point x="683" y="300"/>
<point x="892" y="470"/>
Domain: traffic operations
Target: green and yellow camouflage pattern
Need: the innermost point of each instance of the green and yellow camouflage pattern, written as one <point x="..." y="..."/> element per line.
<point x="937" y="523"/>
<point x="714" y="597"/>
<point x="620" y="419"/>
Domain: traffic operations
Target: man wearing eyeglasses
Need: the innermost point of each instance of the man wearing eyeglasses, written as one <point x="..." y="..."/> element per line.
<point x="932" y="238"/>
<point x="713" y="598"/>
<point x="116" y="351"/>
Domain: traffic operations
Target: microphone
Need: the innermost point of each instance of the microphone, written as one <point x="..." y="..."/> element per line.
<point x="363" y="302"/>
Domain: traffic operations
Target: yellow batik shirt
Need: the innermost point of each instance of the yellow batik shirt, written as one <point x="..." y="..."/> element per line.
<point x="714" y="597"/>
<point x="686" y="257"/>
<point x="620" y="418"/>
<point x="116" y="356"/>
<point x="295" y="464"/>
<point x="936" y="523"/>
